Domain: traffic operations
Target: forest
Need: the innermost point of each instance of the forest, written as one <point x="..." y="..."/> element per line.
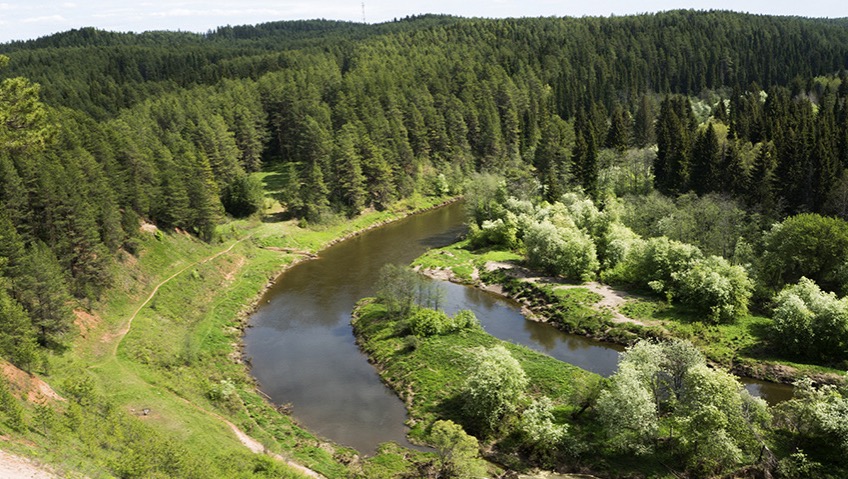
<point x="659" y="122"/>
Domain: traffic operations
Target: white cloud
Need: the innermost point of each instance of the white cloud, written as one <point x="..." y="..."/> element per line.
<point x="49" y="19"/>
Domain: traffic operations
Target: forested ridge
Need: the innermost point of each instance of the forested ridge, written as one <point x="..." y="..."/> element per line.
<point x="102" y="130"/>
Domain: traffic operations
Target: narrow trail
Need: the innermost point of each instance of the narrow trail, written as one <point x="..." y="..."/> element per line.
<point x="249" y="442"/>
<point x="252" y="444"/>
<point x="121" y="334"/>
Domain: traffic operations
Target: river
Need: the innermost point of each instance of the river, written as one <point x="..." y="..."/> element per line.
<point x="303" y="352"/>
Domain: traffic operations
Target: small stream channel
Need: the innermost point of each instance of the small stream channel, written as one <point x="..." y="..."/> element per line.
<point x="303" y="352"/>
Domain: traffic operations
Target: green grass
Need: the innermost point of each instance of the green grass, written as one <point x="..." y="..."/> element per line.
<point x="461" y="260"/>
<point x="745" y="341"/>
<point x="580" y="296"/>
<point x="430" y="375"/>
<point x="181" y="346"/>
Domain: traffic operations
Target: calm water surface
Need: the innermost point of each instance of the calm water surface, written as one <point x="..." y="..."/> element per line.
<point x="301" y="344"/>
<point x="303" y="351"/>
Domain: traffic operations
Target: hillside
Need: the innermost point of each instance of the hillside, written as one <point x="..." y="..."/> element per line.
<point x="128" y="159"/>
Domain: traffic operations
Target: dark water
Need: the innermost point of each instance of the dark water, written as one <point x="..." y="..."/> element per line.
<point x="502" y="318"/>
<point x="301" y="345"/>
<point x="303" y="351"/>
<point x="773" y="393"/>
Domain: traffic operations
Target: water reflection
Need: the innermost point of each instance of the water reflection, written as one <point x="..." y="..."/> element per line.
<point x="502" y="318"/>
<point x="303" y="351"/>
<point x="302" y="348"/>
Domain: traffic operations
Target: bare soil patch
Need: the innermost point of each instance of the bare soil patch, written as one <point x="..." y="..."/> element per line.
<point x="85" y="321"/>
<point x="27" y="385"/>
<point x="16" y="467"/>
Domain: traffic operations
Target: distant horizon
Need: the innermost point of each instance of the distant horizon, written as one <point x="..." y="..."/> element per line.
<point x="40" y="18"/>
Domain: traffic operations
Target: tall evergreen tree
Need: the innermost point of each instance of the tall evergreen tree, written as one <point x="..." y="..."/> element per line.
<point x="619" y="130"/>
<point x="43" y="291"/>
<point x="644" y="132"/>
<point x="674" y="145"/>
<point x="351" y="181"/>
<point x="762" y="193"/>
<point x="706" y="162"/>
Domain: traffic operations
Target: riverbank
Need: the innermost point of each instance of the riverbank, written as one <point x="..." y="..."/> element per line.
<point x="620" y="317"/>
<point x="428" y="373"/>
<point x="178" y="371"/>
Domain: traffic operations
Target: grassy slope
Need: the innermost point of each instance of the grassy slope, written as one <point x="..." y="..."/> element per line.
<point x="185" y="342"/>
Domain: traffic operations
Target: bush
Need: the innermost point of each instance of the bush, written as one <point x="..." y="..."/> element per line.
<point x="809" y="322"/>
<point x="652" y="263"/>
<point x="493" y="233"/>
<point x="716" y="288"/>
<point x="428" y="322"/>
<point x="616" y="243"/>
<point x="494" y="386"/>
<point x="541" y="434"/>
<point x="568" y="252"/>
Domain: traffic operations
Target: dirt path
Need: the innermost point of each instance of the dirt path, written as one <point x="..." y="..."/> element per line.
<point x="120" y="334"/>
<point x="246" y="440"/>
<point x="252" y="444"/>
<point x="16" y="467"/>
<point x="611" y="299"/>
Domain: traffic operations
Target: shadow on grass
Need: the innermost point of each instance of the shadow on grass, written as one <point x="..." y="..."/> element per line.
<point x="275" y="182"/>
<point x="278" y="217"/>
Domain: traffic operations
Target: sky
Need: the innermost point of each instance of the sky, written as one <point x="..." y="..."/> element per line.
<point x="27" y="19"/>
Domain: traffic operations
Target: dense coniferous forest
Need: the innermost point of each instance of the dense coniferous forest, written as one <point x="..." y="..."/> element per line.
<point x="101" y="130"/>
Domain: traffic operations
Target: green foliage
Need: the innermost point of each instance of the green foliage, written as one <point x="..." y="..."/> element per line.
<point x="494" y="386"/>
<point x="13" y="413"/>
<point x="627" y="411"/>
<point x="244" y="196"/>
<point x="807" y="245"/>
<point x="714" y="287"/>
<point x="653" y="262"/>
<point x="809" y="322"/>
<point x="563" y="251"/>
<point x="428" y="322"/>
<point x="537" y="424"/>
<point x="17" y="338"/>
<point x="458" y="452"/>
<point x="711" y="419"/>
<point x="815" y="419"/>
<point x="713" y="223"/>
<point x="493" y="233"/>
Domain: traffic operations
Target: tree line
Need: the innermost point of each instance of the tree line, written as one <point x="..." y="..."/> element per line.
<point x="100" y="130"/>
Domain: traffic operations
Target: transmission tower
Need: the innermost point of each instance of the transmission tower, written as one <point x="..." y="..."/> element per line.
<point x="363" y="13"/>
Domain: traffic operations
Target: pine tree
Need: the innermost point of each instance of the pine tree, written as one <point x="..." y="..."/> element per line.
<point x="706" y="162"/>
<point x="350" y="182"/>
<point x="674" y="144"/>
<point x="762" y="193"/>
<point x="619" y="130"/>
<point x="43" y="291"/>
<point x="584" y="157"/>
<point x="734" y="176"/>
<point x="644" y="132"/>
<point x="17" y="338"/>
